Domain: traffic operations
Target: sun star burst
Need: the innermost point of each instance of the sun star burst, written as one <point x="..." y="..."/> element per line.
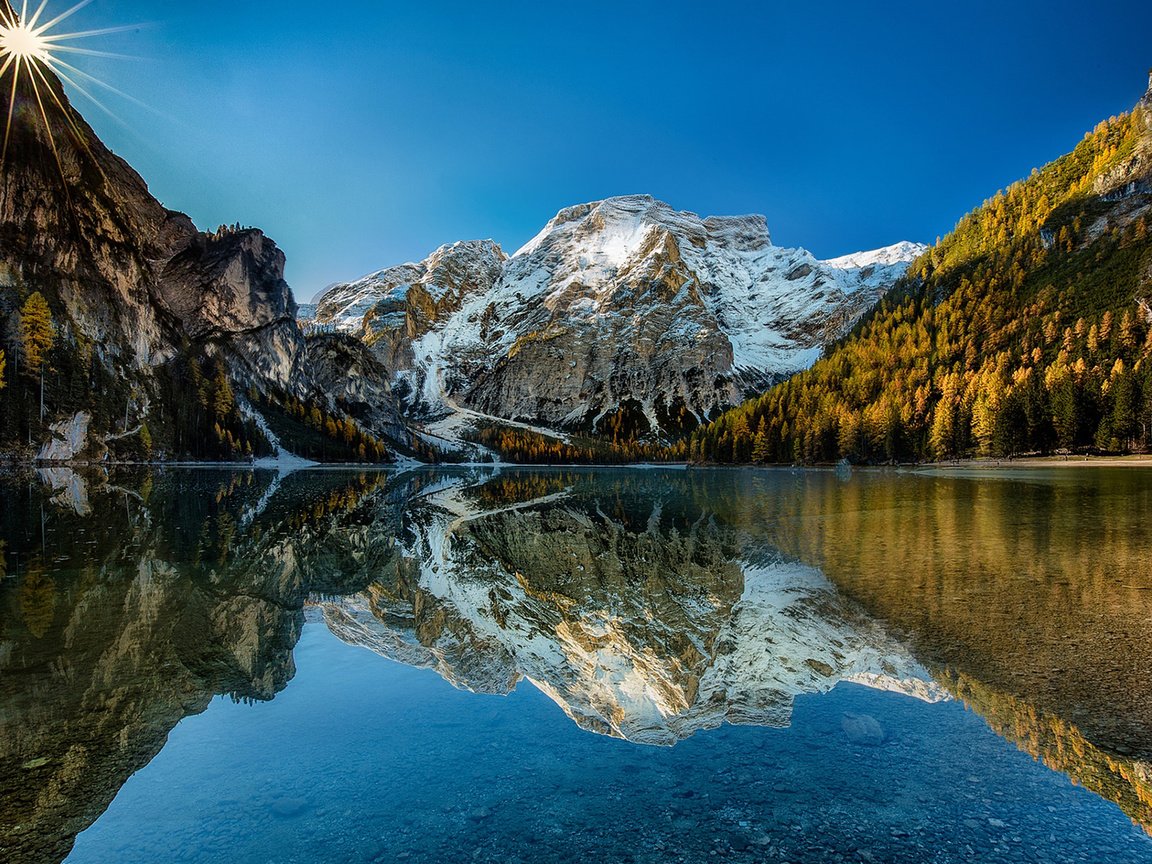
<point x="20" y="41"/>
<point x="30" y="45"/>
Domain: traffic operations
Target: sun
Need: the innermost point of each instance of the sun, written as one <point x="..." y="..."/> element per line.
<point x="31" y="48"/>
<point x="20" y="41"/>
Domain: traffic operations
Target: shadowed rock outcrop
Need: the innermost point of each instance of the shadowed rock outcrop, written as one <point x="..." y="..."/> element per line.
<point x="136" y="293"/>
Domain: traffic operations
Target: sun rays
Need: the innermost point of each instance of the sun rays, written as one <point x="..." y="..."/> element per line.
<point x="29" y="45"/>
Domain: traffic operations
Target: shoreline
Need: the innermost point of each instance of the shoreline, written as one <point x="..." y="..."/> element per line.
<point x="1138" y="461"/>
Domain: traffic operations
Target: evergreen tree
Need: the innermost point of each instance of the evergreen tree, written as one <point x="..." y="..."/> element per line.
<point x="760" y="451"/>
<point x="741" y="440"/>
<point x="37" y="332"/>
<point x="37" y="335"/>
<point x="1066" y="410"/>
<point x="1010" y="427"/>
<point x="1123" y="416"/>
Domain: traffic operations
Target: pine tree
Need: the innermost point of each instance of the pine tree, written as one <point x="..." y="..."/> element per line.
<point x="1066" y="409"/>
<point x="1128" y="335"/>
<point x="760" y="451"/>
<point x="1010" y="426"/>
<point x="37" y="335"/>
<point x="1123" y="419"/>
<point x="222" y="400"/>
<point x="741" y="440"/>
<point x="37" y="332"/>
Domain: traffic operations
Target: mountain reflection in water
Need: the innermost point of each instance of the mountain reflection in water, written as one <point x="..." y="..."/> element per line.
<point x="625" y="600"/>
<point x="647" y="605"/>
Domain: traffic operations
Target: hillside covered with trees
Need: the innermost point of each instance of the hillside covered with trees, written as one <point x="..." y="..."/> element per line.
<point x="1027" y="329"/>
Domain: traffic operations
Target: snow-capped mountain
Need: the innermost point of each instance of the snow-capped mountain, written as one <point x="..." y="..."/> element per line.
<point x="624" y="308"/>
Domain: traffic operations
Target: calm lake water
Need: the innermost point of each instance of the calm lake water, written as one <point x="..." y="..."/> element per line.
<point x="576" y="666"/>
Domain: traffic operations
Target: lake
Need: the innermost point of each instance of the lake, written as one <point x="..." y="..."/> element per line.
<point x="576" y="665"/>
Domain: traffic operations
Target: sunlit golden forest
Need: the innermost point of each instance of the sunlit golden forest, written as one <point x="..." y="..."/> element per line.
<point x="1024" y="330"/>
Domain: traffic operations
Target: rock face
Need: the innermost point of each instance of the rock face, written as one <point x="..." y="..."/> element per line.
<point x="69" y="440"/>
<point x="227" y="284"/>
<point x="622" y="310"/>
<point x="134" y="289"/>
<point x="1127" y="186"/>
<point x="396" y="307"/>
<point x="640" y="616"/>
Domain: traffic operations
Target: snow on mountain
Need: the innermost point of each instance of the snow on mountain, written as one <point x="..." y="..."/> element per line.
<point x="897" y="254"/>
<point x="624" y="309"/>
<point x="881" y="267"/>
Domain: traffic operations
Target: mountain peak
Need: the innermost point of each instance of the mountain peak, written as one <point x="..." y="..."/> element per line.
<point x="904" y="252"/>
<point x="623" y="221"/>
<point x="620" y="310"/>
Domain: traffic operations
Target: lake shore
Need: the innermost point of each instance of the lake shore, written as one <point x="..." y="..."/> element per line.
<point x="1138" y="461"/>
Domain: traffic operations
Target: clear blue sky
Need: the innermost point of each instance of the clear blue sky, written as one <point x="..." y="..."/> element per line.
<point x="366" y="133"/>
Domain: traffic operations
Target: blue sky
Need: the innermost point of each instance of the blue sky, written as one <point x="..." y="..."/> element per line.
<point x="364" y="134"/>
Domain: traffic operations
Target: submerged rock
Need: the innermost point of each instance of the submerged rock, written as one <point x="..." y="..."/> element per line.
<point x="863" y="730"/>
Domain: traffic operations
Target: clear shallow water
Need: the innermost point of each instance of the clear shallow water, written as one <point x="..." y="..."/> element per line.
<point x="904" y="657"/>
<point x="363" y="760"/>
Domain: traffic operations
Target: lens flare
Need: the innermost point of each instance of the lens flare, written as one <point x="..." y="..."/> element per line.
<point x="19" y="41"/>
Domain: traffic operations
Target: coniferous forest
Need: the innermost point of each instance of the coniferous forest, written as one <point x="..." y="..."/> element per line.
<point x="1026" y="330"/>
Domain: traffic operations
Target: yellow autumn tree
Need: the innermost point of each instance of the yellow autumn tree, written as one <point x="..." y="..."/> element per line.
<point x="37" y="332"/>
<point x="223" y="399"/>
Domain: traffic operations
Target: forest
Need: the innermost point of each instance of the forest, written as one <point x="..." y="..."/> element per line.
<point x="49" y="369"/>
<point x="1025" y="330"/>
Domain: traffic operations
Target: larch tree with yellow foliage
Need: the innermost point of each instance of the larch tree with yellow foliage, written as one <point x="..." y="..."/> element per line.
<point x="37" y="336"/>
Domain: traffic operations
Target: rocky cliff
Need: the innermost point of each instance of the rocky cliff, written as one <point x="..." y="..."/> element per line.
<point x="623" y="312"/>
<point x="137" y="295"/>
